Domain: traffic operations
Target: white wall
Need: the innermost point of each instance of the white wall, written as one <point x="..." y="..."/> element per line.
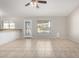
<point x="73" y="25"/>
<point x="58" y="25"/>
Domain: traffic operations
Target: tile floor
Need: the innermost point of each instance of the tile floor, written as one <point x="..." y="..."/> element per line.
<point x="37" y="48"/>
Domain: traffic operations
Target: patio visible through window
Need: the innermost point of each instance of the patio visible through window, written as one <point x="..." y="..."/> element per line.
<point x="43" y="26"/>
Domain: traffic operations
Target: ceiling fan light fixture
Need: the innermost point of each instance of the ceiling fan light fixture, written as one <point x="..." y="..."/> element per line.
<point x="33" y="3"/>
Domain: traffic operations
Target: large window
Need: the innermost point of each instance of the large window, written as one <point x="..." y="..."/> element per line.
<point x="43" y="26"/>
<point x="8" y="25"/>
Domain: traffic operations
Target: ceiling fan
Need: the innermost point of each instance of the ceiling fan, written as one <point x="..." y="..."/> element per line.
<point x="35" y="3"/>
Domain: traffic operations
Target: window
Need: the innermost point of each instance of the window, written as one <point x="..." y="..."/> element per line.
<point x="8" y="25"/>
<point x="43" y="26"/>
<point x="12" y="25"/>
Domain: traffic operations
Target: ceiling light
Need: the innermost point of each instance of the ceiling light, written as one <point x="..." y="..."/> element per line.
<point x="33" y="3"/>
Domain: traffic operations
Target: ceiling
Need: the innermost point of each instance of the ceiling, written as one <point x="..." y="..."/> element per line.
<point x="52" y="8"/>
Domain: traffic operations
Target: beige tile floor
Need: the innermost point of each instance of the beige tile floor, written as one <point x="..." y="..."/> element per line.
<point x="37" y="48"/>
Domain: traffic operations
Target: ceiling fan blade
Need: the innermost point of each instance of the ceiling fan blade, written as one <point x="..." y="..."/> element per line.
<point x="27" y="4"/>
<point x="42" y="2"/>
